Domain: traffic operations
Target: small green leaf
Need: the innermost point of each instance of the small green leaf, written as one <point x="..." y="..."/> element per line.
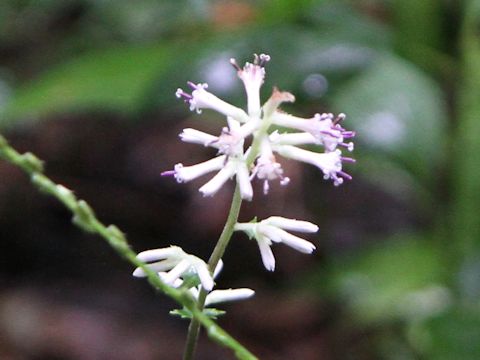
<point x="213" y="313"/>
<point x="182" y="313"/>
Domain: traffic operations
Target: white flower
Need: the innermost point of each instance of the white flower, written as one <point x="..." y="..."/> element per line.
<point x="323" y="127"/>
<point x="174" y="263"/>
<point x="229" y="142"/>
<point x="267" y="168"/>
<point x="228" y="295"/>
<point x="274" y="229"/>
<point x="202" y="99"/>
<point x="215" y="296"/>
<point x="233" y="162"/>
<point x="330" y="162"/>
<point x="253" y="76"/>
<point x="228" y="168"/>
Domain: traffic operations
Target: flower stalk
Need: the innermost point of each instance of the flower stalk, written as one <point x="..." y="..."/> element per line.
<point x="217" y="254"/>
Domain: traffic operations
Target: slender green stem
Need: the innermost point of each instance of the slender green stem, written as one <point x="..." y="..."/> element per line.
<point x="84" y="217"/>
<point x="224" y="239"/>
<point x="218" y="251"/>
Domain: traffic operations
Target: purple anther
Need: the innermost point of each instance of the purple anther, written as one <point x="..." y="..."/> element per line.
<point x="345" y="175"/>
<point x="168" y="173"/>
<point x="263" y="59"/>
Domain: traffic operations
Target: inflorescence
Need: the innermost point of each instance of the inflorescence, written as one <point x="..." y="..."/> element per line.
<point x="258" y="160"/>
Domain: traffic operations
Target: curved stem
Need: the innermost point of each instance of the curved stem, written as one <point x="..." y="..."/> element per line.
<point x="85" y="218"/>
<point x="218" y="251"/>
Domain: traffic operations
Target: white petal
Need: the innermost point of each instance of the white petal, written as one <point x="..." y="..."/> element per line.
<point x="291" y="224"/>
<point x="249" y="128"/>
<point x="219" y="296"/>
<point x="218" y="268"/>
<point x="297" y="243"/>
<point x="233" y="125"/>
<point x="138" y="272"/>
<point x="187" y="173"/>
<point x="204" y="275"/>
<point x="243" y="180"/>
<point x="293" y="138"/>
<point x="163" y="265"/>
<point x="212" y="186"/>
<point x="330" y="163"/>
<point x="266" y="253"/>
<point x="159" y="254"/>
<point x="177" y="271"/>
<point x="203" y="99"/>
<point x="194" y="291"/>
<point x="197" y="137"/>
<point x="164" y="277"/>
<point x="247" y="227"/>
<point x="271" y="232"/>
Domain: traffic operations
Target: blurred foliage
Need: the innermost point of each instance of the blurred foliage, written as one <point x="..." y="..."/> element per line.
<point x="400" y="278"/>
<point x="406" y="73"/>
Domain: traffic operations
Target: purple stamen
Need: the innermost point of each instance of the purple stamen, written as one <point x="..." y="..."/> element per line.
<point x="348" y="159"/>
<point x="192" y="85"/>
<point x="348" y="134"/>
<point x="180" y="93"/>
<point x="340" y="117"/>
<point x="345" y="175"/>
<point x="235" y="65"/>
<point x="349" y="146"/>
<point x="168" y="173"/>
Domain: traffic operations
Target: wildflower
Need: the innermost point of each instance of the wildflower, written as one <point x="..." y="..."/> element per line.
<point x="202" y="99"/>
<point x="273" y="229"/>
<point x="174" y="263"/>
<point x="330" y="162"/>
<point x="215" y="296"/>
<point x="259" y="159"/>
<point x="253" y="76"/>
<point x="232" y="162"/>
<point x="323" y="127"/>
<point x="267" y="168"/>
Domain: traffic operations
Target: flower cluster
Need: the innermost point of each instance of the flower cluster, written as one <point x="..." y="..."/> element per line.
<point x="274" y="229"/>
<point x="247" y="159"/>
<point x="259" y="159"/>
<point x="173" y="265"/>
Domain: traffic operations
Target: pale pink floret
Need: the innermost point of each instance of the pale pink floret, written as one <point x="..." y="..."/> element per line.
<point x="273" y="229"/>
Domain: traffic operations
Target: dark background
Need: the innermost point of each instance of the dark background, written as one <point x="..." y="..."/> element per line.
<point x="89" y="87"/>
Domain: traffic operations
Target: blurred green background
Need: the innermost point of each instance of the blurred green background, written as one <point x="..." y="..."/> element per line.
<point x="88" y="85"/>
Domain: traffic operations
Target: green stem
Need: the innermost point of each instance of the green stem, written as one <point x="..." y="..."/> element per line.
<point x="224" y="239"/>
<point x="84" y="217"/>
<point x="218" y="251"/>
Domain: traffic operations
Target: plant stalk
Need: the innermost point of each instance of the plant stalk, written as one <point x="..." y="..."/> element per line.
<point x="218" y="251"/>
